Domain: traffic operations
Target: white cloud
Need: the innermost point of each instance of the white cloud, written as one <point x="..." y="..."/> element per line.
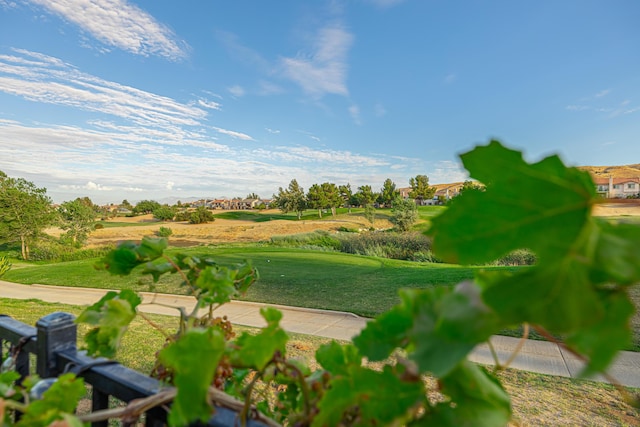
<point x="170" y="185"/>
<point x="383" y="4"/>
<point x="237" y="91"/>
<point x="354" y="111"/>
<point x="119" y="24"/>
<point x="268" y="88"/>
<point x="379" y="110"/>
<point x="233" y="134"/>
<point x="209" y="104"/>
<point x="324" y="70"/>
<point x="274" y="131"/>
<point x="602" y="93"/>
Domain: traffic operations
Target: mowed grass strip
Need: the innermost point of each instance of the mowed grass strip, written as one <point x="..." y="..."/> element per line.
<point x="537" y="400"/>
<point x="366" y="286"/>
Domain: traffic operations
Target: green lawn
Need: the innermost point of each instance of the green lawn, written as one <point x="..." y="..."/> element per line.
<point x="363" y="285"/>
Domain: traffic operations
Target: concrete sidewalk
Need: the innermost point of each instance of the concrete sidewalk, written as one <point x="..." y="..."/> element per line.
<point x="535" y="356"/>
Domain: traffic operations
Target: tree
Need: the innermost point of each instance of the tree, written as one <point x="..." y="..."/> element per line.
<point x="316" y="199"/>
<point x="370" y="213"/>
<point x="404" y="213"/>
<point x="125" y="204"/>
<point x="201" y="215"/>
<point x="420" y="189"/>
<point x="470" y="185"/>
<point x="365" y="195"/>
<point x="25" y="211"/>
<point x="347" y="195"/>
<point x="146" y="207"/>
<point x="164" y="213"/>
<point x="292" y="199"/>
<point x="253" y="196"/>
<point x="78" y="218"/>
<point x="332" y="196"/>
<point x="388" y="193"/>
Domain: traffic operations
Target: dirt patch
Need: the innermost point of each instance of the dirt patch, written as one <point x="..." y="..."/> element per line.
<point x="223" y="230"/>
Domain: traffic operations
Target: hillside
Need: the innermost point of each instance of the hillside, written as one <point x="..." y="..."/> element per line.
<point x="627" y="171"/>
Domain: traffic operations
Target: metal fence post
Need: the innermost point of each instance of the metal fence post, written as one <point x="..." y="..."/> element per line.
<point x="56" y="332"/>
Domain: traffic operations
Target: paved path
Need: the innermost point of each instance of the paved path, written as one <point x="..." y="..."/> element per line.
<point x="535" y="356"/>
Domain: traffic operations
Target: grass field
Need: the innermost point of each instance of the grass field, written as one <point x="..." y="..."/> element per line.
<point x="538" y="400"/>
<point x="335" y="281"/>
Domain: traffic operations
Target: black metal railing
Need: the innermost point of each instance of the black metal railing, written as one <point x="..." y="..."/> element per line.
<point x="53" y="342"/>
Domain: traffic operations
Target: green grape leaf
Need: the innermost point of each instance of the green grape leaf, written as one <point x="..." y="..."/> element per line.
<point x="522" y="206"/>
<point x="377" y="398"/>
<point x="476" y="400"/>
<point x="194" y="358"/>
<point x="111" y="317"/>
<point x="61" y="398"/>
<point x="438" y="327"/>
<point x="338" y="359"/>
<point x="6" y="382"/>
<point x="128" y="255"/>
<point x="616" y="257"/>
<point x="216" y="284"/>
<point x="256" y="351"/>
<point x="558" y="297"/>
<point x="609" y="334"/>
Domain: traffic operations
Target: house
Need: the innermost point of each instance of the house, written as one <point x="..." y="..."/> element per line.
<point x="617" y="188"/>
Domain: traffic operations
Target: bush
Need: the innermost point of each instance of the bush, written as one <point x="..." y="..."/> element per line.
<point x="404" y="213"/>
<point x="51" y="250"/>
<point x="164" y="232"/>
<point x="5" y="265"/>
<point x="387" y="244"/>
<point x="98" y="226"/>
<point x="316" y="239"/>
<point x="182" y="215"/>
<point x="201" y="215"/>
<point x="517" y="257"/>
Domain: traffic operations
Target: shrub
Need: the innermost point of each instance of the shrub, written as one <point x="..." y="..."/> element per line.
<point x="5" y="265"/>
<point x="201" y="216"/>
<point x="517" y="257"/>
<point x="164" y="232"/>
<point x="182" y="215"/>
<point x="315" y="239"/>
<point x="404" y="213"/>
<point x="386" y="244"/>
<point x="98" y="226"/>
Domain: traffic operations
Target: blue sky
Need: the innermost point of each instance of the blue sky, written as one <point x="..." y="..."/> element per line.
<point x="117" y="99"/>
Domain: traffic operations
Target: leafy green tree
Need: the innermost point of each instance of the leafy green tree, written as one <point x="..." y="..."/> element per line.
<point x="291" y="199"/>
<point x="365" y="195"/>
<point x="370" y="213"/>
<point x="316" y="199"/>
<point x="420" y="189"/>
<point x="404" y="213"/>
<point x="25" y="211"/>
<point x="470" y="185"/>
<point x="332" y="196"/>
<point x="146" y="207"/>
<point x="388" y="193"/>
<point x="253" y="196"/>
<point x="164" y="213"/>
<point x="78" y="218"/>
<point x="347" y="195"/>
<point x="201" y="215"/>
<point x="125" y="204"/>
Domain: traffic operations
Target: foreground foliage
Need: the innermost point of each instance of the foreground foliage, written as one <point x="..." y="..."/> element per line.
<point x="578" y="289"/>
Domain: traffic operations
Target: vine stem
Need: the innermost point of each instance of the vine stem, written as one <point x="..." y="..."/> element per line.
<point x="496" y="361"/>
<point x="614" y="382"/>
<point x="304" y="387"/>
<point x="244" y="414"/>
<point x="153" y="324"/>
<point x="137" y="407"/>
<point x="523" y="340"/>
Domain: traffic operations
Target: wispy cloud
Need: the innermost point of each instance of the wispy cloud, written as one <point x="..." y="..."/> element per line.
<point x="233" y="134"/>
<point x="324" y="69"/>
<point x="119" y="24"/>
<point x="383" y="4"/>
<point x="379" y="110"/>
<point x="274" y="131"/>
<point x="237" y="91"/>
<point x="209" y="104"/>
<point x="602" y="93"/>
<point x="354" y="111"/>
<point x="241" y="52"/>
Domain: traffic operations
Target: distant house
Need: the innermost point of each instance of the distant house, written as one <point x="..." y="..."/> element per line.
<point x="617" y="188"/>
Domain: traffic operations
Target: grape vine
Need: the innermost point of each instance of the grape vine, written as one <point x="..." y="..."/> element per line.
<point x="578" y="290"/>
